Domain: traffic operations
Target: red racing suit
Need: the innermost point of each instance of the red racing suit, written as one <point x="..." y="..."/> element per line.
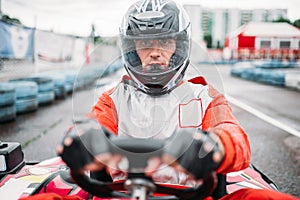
<point x="193" y="103"/>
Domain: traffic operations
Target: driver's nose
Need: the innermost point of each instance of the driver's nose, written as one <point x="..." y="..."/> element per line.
<point x="155" y="52"/>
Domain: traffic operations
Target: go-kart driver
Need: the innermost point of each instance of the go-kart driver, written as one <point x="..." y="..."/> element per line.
<point x="155" y="101"/>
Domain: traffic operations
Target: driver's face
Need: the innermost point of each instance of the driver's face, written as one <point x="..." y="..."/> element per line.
<point x="155" y="52"/>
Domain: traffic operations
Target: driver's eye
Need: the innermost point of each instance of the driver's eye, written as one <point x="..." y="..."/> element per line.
<point x="144" y="43"/>
<point x="147" y="43"/>
<point x="164" y="42"/>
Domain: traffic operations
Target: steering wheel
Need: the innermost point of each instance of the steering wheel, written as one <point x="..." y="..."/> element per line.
<point x="138" y="185"/>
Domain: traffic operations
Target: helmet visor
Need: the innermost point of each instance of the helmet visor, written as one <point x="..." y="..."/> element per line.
<point x="155" y="54"/>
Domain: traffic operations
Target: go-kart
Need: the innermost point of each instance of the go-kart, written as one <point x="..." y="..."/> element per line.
<point x="20" y="179"/>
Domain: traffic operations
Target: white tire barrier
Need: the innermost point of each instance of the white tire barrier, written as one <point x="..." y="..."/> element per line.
<point x="292" y="80"/>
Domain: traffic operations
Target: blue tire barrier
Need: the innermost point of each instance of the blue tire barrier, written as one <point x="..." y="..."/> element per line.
<point x="267" y="76"/>
<point x="71" y="78"/>
<point x="69" y="88"/>
<point x="25" y="89"/>
<point x="257" y="74"/>
<point x="87" y="76"/>
<point x="70" y="75"/>
<point x="7" y="114"/>
<point x="45" y="98"/>
<point x="7" y="94"/>
<point x="83" y="79"/>
<point x="278" y="78"/>
<point x="236" y="72"/>
<point x="59" y="81"/>
<point x="60" y="92"/>
<point x="274" y="64"/>
<point x="26" y="105"/>
<point x="44" y="83"/>
<point x="247" y="74"/>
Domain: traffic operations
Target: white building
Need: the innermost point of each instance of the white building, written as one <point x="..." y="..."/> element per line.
<point x="219" y="22"/>
<point x="264" y="40"/>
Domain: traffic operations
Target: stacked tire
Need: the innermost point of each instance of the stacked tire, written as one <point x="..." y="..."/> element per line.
<point x="292" y="80"/>
<point x="7" y="102"/>
<point x="59" y="81"/>
<point x="71" y="78"/>
<point x="45" y="89"/>
<point x="26" y="96"/>
<point x="46" y="93"/>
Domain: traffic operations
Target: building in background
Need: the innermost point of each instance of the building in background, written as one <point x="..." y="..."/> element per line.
<point x="212" y="25"/>
<point x="264" y="40"/>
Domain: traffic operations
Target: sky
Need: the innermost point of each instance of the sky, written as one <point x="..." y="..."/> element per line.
<point x="76" y="16"/>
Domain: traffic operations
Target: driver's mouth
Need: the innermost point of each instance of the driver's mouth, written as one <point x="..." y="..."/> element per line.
<point x="155" y="67"/>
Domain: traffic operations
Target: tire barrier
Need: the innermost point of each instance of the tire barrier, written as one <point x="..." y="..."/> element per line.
<point x="71" y="77"/>
<point x="25" y="89"/>
<point x="45" y="88"/>
<point x="26" y="96"/>
<point x="26" y="105"/>
<point x="292" y="80"/>
<point x="59" y="81"/>
<point x="7" y="102"/>
<point x="271" y="77"/>
<point x="45" y="98"/>
<point x="7" y="94"/>
<point x="274" y="64"/>
<point x="84" y="78"/>
<point x="277" y="74"/>
<point x="8" y="113"/>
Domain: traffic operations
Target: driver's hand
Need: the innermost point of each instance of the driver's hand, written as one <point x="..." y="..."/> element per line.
<point x="191" y="152"/>
<point x="86" y="147"/>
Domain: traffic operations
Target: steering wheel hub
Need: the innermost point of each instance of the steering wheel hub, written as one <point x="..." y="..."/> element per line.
<point x="139" y="188"/>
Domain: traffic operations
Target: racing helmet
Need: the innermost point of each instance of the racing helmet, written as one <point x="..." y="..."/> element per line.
<point x="149" y="20"/>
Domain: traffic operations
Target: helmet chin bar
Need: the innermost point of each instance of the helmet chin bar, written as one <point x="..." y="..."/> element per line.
<point x="158" y="89"/>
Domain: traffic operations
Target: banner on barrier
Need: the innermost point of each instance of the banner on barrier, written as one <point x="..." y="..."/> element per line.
<point x="15" y="41"/>
<point x="52" y="47"/>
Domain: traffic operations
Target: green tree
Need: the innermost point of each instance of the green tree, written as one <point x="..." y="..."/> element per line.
<point x="92" y="34"/>
<point x="208" y="39"/>
<point x="8" y="19"/>
<point x="98" y="40"/>
<point x="282" y="19"/>
<point x="297" y="23"/>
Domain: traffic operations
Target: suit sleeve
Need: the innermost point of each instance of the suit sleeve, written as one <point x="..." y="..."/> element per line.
<point x="220" y="120"/>
<point x="104" y="111"/>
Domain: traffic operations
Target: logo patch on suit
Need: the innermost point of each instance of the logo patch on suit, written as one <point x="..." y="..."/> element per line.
<point x="190" y="114"/>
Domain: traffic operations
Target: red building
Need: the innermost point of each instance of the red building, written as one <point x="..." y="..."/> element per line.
<point x="264" y="40"/>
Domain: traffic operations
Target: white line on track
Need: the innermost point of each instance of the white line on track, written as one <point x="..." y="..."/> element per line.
<point x="263" y="116"/>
